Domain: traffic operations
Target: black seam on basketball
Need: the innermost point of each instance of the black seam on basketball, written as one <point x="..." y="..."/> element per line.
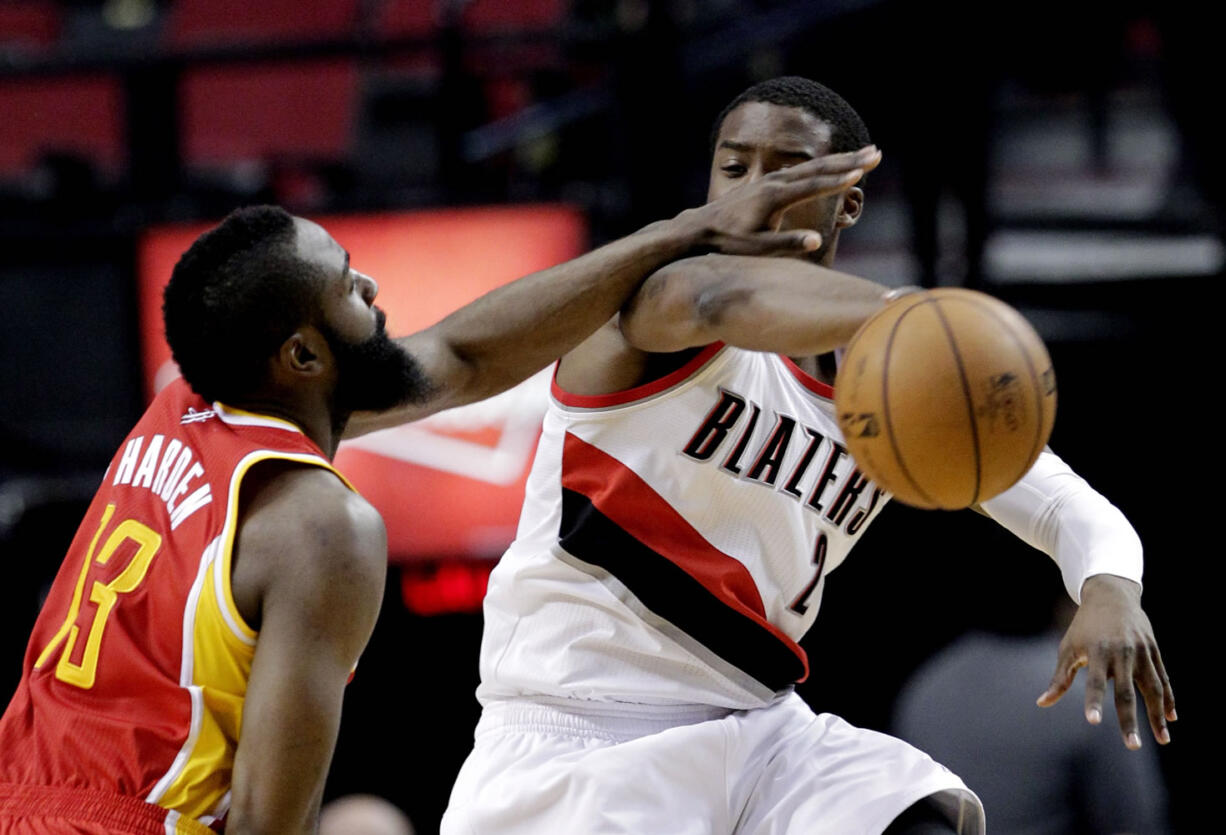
<point x="970" y="403"/>
<point x="1037" y="388"/>
<point x="885" y="401"/>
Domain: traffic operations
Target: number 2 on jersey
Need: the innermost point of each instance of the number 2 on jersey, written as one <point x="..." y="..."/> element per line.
<point x="801" y="604"/>
<point x="104" y="595"/>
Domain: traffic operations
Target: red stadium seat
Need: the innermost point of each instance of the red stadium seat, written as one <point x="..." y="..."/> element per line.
<point x="28" y="24"/>
<point x="79" y="115"/>
<point x="409" y="19"/>
<point x="212" y="22"/>
<point x="488" y="16"/>
<point x="298" y="110"/>
<point x="303" y="110"/>
<point x="406" y="18"/>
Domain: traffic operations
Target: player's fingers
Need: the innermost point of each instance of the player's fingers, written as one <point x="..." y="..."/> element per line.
<point x="1096" y="671"/>
<point x="1067" y="665"/>
<point x="1150" y="685"/>
<point x="1168" y="694"/>
<point x="1096" y="684"/>
<point x="793" y="241"/>
<point x="865" y="159"/>
<point x="785" y="195"/>
<point x="1122" y="665"/>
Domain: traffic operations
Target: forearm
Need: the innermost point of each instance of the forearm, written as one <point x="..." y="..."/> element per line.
<point x="515" y="330"/>
<point x="780" y="305"/>
<point x="1056" y="511"/>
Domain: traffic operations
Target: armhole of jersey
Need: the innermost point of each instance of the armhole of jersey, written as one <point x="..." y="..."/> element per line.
<point x="823" y="390"/>
<point x="234" y="619"/>
<point x="639" y="392"/>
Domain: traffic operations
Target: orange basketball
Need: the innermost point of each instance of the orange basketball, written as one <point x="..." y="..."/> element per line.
<point x="946" y="397"/>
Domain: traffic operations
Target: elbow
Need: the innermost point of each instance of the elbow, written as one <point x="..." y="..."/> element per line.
<point x="706" y="292"/>
<point x="250" y="816"/>
<point x="241" y="822"/>
<point x="711" y="305"/>
<point x="692" y="292"/>
<point x="244" y="822"/>
<point x="682" y="305"/>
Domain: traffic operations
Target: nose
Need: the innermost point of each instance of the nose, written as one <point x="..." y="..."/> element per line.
<point x="368" y="287"/>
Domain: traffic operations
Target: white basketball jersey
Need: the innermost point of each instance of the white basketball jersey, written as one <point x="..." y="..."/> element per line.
<point x="674" y="538"/>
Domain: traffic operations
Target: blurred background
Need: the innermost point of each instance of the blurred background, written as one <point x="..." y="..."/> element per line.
<point x="1064" y="156"/>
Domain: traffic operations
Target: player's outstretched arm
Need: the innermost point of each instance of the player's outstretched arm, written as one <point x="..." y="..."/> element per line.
<point x="315" y="553"/>
<point x="514" y="331"/>
<point x="1099" y="555"/>
<point x="780" y="305"/>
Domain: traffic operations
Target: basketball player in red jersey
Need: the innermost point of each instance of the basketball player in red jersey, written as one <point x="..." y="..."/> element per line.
<point x="187" y="669"/>
<point x="689" y="495"/>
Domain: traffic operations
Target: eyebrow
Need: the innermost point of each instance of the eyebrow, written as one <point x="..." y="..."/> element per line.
<point x="745" y="147"/>
<point x="736" y="146"/>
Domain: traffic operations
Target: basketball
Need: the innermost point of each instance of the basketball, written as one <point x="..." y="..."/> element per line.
<point x="945" y="397"/>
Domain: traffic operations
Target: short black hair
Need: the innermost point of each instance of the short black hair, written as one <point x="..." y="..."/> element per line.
<point x="235" y="295"/>
<point x="848" y="131"/>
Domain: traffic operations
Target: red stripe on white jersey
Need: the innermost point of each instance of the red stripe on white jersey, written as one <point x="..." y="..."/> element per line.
<point x="622" y="495"/>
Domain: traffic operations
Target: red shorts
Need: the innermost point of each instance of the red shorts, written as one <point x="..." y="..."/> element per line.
<point x="50" y="810"/>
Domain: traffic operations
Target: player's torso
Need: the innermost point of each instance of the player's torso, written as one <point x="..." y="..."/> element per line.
<point x="674" y="539"/>
<point x="135" y="673"/>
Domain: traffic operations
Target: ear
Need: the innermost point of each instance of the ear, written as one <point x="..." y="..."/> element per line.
<point x="304" y="354"/>
<point x="849" y="212"/>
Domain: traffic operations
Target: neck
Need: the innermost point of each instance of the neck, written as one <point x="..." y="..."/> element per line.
<point x="821" y="367"/>
<point x="315" y="422"/>
<point x="826" y="256"/>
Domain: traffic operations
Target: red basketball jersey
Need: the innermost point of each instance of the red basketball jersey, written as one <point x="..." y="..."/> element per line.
<point x="134" y="677"/>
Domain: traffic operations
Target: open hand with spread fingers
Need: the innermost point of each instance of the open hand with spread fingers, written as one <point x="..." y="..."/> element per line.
<point x="740" y="221"/>
<point x="1112" y="638"/>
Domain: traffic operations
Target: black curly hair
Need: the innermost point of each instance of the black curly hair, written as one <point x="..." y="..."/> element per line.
<point x="235" y="295"/>
<point x="849" y="132"/>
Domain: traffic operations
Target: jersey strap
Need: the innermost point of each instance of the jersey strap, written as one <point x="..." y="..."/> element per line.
<point x="613" y="519"/>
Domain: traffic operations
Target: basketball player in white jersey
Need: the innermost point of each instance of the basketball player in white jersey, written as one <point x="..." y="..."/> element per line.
<point x="689" y="495"/>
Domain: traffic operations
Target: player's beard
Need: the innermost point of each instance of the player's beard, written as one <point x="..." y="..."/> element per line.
<point x="373" y="375"/>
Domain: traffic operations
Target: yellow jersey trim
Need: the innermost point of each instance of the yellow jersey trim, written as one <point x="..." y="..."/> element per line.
<point x="240" y="417"/>
<point x="244" y="631"/>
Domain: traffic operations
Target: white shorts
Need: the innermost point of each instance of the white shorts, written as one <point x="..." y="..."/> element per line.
<point x="540" y="769"/>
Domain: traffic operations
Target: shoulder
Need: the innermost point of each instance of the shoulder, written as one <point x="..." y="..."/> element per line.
<point x="286" y="499"/>
<point x="304" y="533"/>
<point x="608" y="364"/>
<point x="603" y="363"/>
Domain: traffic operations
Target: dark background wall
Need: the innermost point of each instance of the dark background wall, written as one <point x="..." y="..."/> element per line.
<point x="1059" y="156"/>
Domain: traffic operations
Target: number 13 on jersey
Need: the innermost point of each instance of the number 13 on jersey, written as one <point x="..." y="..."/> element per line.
<point x="102" y="595"/>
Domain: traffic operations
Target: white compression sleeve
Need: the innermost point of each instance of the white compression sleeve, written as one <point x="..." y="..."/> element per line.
<point x="1055" y="510"/>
